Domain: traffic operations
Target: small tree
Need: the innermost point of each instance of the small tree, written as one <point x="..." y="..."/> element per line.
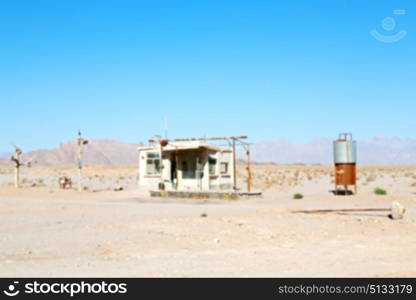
<point x="16" y="158"/>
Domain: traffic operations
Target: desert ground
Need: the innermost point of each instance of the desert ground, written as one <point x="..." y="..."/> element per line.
<point x="99" y="232"/>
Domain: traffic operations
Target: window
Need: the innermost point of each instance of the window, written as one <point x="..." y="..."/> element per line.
<point x="224" y="168"/>
<point x="153" y="163"/>
<point x="212" y="165"/>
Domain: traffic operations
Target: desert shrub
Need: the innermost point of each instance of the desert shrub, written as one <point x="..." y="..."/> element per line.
<point x="26" y="180"/>
<point x="371" y="178"/>
<point x="297" y="196"/>
<point x="204" y="215"/>
<point x="379" y="191"/>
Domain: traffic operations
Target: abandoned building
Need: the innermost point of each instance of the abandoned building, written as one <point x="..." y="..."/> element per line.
<point x="194" y="165"/>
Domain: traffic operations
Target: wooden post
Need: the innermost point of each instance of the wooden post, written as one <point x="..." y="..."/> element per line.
<point x="80" y="142"/>
<point x="79" y="168"/>
<point x="79" y="179"/>
<point x="249" y="176"/>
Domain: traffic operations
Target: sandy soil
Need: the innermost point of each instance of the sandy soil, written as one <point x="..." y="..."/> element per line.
<point x="47" y="232"/>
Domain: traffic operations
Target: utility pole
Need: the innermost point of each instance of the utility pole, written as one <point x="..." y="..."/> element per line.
<point x="249" y="174"/>
<point x="81" y="142"/>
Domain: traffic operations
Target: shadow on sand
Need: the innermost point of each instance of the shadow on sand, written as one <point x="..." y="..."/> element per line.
<point x="342" y="193"/>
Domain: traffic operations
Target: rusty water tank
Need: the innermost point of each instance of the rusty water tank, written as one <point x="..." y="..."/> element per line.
<point x="345" y="158"/>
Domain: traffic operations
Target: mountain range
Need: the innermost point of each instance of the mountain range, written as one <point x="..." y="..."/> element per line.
<point x="375" y="151"/>
<point x="96" y="152"/>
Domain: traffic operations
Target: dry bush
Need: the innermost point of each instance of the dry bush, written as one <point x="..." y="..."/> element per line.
<point x="372" y="177"/>
<point x="26" y="180"/>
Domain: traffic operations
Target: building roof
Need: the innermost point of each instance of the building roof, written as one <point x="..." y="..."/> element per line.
<point x="183" y="146"/>
<point x="194" y="145"/>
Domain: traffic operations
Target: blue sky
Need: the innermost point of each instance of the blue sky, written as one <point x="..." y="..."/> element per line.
<point x="116" y="69"/>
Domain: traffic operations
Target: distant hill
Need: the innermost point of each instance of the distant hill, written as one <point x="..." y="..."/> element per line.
<point x="97" y="152"/>
<point x="375" y="151"/>
<point x="4" y="157"/>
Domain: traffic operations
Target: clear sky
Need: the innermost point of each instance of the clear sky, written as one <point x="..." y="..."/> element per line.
<point x="117" y="69"/>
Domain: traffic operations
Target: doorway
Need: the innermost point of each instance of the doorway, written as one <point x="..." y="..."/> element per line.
<point x="174" y="171"/>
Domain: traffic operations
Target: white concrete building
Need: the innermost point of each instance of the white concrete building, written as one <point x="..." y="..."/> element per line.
<point x="186" y="166"/>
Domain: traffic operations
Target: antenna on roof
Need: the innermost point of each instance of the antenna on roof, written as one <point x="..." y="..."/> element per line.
<point x="166" y="127"/>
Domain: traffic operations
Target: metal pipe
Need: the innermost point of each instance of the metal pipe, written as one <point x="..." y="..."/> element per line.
<point x="161" y="165"/>
<point x="211" y="139"/>
<point x="323" y="211"/>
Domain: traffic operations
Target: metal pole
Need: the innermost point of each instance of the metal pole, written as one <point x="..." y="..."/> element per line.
<point x="177" y="168"/>
<point x="161" y="166"/>
<point x="234" y="166"/>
